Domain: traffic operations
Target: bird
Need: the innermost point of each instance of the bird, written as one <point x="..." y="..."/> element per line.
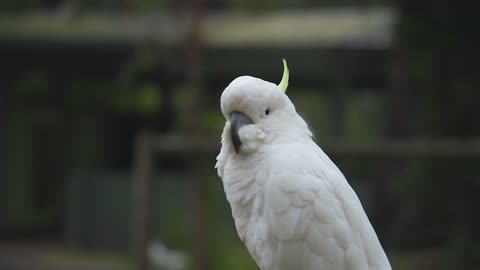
<point x="292" y="207"/>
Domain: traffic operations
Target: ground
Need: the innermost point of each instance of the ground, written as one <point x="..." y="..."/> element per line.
<point x="54" y="256"/>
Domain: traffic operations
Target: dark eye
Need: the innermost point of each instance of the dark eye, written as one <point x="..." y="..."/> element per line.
<point x="267" y="111"/>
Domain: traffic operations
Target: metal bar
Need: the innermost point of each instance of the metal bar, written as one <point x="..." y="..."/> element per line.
<point x="142" y="169"/>
<point x="177" y="144"/>
<point x="195" y="76"/>
<point x="408" y="148"/>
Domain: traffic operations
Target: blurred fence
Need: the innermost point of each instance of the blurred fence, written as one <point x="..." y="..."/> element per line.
<point x="149" y="146"/>
<point x="99" y="208"/>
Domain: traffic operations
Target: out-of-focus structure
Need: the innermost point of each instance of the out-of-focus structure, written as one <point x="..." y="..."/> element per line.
<point x="111" y="123"/>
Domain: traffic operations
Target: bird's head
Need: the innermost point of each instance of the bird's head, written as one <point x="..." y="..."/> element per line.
<point x="258" y="112"/>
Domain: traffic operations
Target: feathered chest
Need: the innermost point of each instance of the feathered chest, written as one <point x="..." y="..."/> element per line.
<point x="244" y="190"/>
<point x="244" y="185"/>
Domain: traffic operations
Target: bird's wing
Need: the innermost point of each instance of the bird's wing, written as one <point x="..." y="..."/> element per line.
<point x="318" y="222"/>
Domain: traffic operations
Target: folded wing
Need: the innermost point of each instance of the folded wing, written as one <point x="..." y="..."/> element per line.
<point x="317" y="222"/>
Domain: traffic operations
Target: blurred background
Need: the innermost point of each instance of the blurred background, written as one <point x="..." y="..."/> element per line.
<point x="110" y="124"/>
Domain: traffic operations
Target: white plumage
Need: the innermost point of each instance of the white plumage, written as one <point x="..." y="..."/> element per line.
<point x="292" y="207"/>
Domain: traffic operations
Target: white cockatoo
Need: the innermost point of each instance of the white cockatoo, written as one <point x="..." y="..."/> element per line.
<point x="292" y="206"/>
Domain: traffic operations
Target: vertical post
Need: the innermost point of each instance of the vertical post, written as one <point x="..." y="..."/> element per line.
<point x="194" y="65"/>
<point x="142" y="169"/>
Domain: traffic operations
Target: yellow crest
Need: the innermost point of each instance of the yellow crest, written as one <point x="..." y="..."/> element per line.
<point x="284" y="82"/>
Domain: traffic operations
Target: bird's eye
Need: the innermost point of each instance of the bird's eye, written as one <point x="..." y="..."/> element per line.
<point x="267" y="111"/>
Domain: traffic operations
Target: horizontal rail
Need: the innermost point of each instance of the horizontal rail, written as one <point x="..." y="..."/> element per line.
<point x="179" y="144"/>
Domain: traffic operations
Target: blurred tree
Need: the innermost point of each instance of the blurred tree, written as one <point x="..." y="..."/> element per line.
<point x="435" y="75"/>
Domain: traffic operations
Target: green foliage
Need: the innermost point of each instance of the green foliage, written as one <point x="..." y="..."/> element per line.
<point x="315" y="108"/>
<point x="364" y="117"/>
<point x="213" y="122"/>
<point x="228" y="252"/>
<point x="434" y="57"/>
<point x="172" y="213"/>
<point x="145" y="99"/>
<point x="20" y="169"/>
<point x="359" y="117"/>
<point x="18" y="211"/>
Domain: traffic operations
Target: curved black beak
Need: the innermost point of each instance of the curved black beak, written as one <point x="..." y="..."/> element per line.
<point x="237" y="120"/>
